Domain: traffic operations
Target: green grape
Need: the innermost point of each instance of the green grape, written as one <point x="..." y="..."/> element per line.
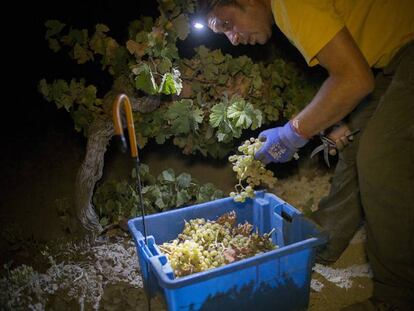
<point x="206" y="244"/>
<point x="249" y="171"/>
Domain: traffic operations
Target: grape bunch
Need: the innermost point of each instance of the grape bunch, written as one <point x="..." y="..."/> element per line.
<point x="206" y="244"/>
<point x="250" y="172"/>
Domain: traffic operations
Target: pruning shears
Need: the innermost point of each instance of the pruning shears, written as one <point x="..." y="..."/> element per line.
<point x="328" y="144"/>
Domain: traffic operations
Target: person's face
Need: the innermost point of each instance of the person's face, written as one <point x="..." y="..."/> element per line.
<point x="249" y="22"/>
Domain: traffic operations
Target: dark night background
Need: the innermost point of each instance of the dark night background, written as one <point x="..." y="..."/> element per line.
<point x="37" y="138"/>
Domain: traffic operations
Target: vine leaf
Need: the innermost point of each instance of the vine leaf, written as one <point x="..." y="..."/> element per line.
<point x="244" y="114"/>
<point x="218" y="114"/>
<point x="54" y="27"/>
<point x="167" y="176"/>
<point x="183" y="117"/>
<point x="182" y="197"/>
<point x="208" y="192"/>
<point x="171" y="83"/>
<point x="138" y="49"/>
<point x="181" y="26"/>
<point x="237" y="111"/>
<point x="82" y="54"/>
<point x="184" y="180"/>
<point x="164" y="65"/>
<point x="144" y="80"/>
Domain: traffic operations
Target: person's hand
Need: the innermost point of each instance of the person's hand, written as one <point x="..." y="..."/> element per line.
<point x="280" y="144"/>
<point x="341" y="136"/>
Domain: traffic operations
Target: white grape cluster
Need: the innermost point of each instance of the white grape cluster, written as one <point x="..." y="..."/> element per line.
<point x="250" y="172"/>
<point x="206" y="244"/>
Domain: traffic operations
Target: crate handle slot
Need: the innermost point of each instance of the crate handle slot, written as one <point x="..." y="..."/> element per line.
<point x="286" y="216"/>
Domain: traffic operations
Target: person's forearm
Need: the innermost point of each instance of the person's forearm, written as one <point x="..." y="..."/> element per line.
<point x="350" y="80"/>
<point x="336" y="98"/>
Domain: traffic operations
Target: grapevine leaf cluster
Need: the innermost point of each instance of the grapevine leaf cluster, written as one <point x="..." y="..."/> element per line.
<point x="148" y="64"/>
<point x="278" y="89"/>
<point x="207" y="244"/>
<point x="116" y="200"/>
<point x="78" y="99"/>
<point x="249" y="171"/>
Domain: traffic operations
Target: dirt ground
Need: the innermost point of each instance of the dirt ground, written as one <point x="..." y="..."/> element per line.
<point x="104" y="275"/>
<point x="349" y="279"/>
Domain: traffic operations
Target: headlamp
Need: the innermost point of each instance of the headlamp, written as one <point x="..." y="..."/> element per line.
<point x="197" y="25"/>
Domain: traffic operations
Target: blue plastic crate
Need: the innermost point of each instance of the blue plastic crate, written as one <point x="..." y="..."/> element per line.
<point x="276" y="280"/>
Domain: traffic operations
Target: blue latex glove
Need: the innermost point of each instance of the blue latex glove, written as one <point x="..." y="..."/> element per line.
<point x="281" y="143"/>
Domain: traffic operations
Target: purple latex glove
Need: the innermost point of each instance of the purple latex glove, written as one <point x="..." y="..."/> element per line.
<point x="281" y="143"/>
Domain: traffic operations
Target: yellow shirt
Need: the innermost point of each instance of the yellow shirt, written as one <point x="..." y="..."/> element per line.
<point x="379" y="27"/>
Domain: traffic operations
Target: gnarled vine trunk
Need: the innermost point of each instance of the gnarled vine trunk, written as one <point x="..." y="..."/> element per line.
<point x="90" y="172"/>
